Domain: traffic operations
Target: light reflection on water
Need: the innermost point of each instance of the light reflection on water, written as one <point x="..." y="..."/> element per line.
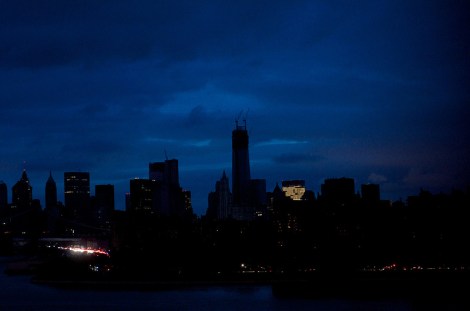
<point x="17" y="293"/>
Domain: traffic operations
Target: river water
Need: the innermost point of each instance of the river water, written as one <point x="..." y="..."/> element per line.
<point x="18" y="293"/>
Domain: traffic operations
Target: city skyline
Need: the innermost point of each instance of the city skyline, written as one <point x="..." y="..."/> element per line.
<point x="375" y="91"/>
<point x="361" y="190"/>
<point x="120" y="200"/>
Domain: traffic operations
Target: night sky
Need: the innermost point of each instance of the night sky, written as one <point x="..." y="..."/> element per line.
<point x="378" y="91"/>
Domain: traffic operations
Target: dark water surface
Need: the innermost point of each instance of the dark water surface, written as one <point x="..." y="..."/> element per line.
<point x="18" y="293"/>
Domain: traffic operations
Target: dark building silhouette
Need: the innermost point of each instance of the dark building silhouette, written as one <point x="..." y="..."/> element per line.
<point x="3" y="196"/>
<point x="77" y="193"/>
<point x="338" y="191"/>
<point x="187" y="202"/>
<point x="257" y="196"/>
<point x="248" y="198"/>
<point x="53" y="209"/>
<point x="161" y="193"/>
<point x="290" y="208"/>
<point x="370" y="194"/>
<point x="248" y="195"/>
<point x="22" y="197"/>
<point x="168" y="198"/>
<point x="165" y="172"/>
<point x="51" y="192"/>
<point x="141" y="196"/>
<point x="103" y="205"/>
<point x="276" y="195"/>
<point x="220" y="200"/>
<point x="127" y="199"/>
<point x="24" y="212"/>
<point x="240" y="165"/>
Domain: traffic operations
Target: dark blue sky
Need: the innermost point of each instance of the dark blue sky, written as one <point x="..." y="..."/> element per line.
<point x="374" y="90"/>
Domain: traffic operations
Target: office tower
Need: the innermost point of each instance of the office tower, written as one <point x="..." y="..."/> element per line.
<point x="171" y="172"/>
<point x="22" y="193"/>
<point x="338" y="191"/>
<point x="157" y="171"/>
<point x="258" y="198"/>
<point x="294" y="189"/>
<point x="168" y="196"/>
<point x="3" y="196"/>
<point x="224" y="197"/>
<point x="51" y="192"/>
<point x="188" y="205"/>
<point x="240" y="165"/>
<point x="53" y="209"/>
<point x="248" y="198"/>
<point x="165" y="172"/>
<point x="141" y="195"/>
<point x="220" y="200"/>
<point x="103" y="206"/>
<point x="258" y="192"/>
<point x="370" y="194"/>
<point x="76" y="193"/>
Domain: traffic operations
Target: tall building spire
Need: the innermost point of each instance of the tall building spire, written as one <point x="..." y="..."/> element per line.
<point x="51" y="192"/>
<point x="24" y="176"/>
<point x="22" y="192"/>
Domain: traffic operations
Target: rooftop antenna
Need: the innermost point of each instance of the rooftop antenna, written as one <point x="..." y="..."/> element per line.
<point x="238" y="118"/>
<point x="246" y="116"/>
<point x="166" y="156"/>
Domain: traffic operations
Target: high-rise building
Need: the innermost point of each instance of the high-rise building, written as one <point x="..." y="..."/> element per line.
<point x="141" y="195"/>
<point x="76" y="193"/>
<point x="240" y="165"/>
<point x="3" y="196"/>
<point x="188" y="205"/>
<point x="220" y="200"/>
<point x="248" y="198"/>
<point x="168" y="198"/>
<point x="294" y="189"/>
<point x="51" y="192"/>
<point x="157" y="171"/>
<point x="22" y="193"/>
<point x="370" y="194"/>
<point x="165" y="172"/>
<point x="103" y="206"/>
<point x="53" y="208"/>
<point x="338" y="191"/>
<point x="248" y="195"/>
<point x="258" y="197"/>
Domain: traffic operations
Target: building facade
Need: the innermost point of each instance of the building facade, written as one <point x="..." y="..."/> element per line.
<point x="240" y="165"/>
<point x="51" y="193"/>
<point x="76" y="194"/>
<point x="294" y="189"/>
<point x="22" y="193"/>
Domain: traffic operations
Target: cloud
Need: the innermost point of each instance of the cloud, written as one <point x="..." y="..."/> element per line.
<point x="276" y="142"/>
<point x="200" y="143"/>
<point x="376" y="178"/>
<point x="208" y="100"/>
<point x="419" y="177"/>
<point x="370" y="86"/>
<point x="297" y="158"/>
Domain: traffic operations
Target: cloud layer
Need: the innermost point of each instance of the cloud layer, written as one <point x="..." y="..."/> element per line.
<point x="374" y="90"/>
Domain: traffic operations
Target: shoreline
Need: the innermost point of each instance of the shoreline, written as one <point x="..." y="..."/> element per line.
<point x="420" y="284"/>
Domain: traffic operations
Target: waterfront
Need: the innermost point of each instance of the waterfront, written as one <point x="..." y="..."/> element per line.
<point x="18" y="293"/>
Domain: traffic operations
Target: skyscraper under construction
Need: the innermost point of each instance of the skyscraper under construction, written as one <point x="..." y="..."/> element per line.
<point x="248" y="195"/>
<point x="240" y="165"/>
